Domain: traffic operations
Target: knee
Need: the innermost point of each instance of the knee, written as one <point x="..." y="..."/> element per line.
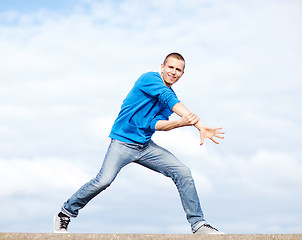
<point x="102" y="182"/>
<point x="186" y="172"/>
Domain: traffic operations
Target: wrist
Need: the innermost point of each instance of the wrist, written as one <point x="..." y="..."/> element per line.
<point x="200" y="126"/>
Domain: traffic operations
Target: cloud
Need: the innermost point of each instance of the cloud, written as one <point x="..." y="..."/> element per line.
<point x="64" y="75"/>
<point x="32" y="176"/>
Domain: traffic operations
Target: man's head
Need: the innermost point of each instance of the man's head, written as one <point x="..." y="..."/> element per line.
<point x="172" y="69"/>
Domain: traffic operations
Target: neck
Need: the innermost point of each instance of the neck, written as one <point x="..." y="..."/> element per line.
<point x="167" y="84"/>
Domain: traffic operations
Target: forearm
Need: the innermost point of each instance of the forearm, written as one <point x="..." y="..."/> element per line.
<point x="167" y="125"/>
<point x="180" y="109"/>
<point x="186" y="119"/>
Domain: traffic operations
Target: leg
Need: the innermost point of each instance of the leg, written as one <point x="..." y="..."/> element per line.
<point x="117" y="156"/>
<point x="162" y="161"/>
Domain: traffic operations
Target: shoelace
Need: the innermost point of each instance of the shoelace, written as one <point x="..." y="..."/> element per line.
<point x="64" y="221"/>
<point x="209" y="226"/>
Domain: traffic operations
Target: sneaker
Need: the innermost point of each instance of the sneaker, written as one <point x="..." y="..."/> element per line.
<point x="207" y="229"/>
<point x="61" y="222"/>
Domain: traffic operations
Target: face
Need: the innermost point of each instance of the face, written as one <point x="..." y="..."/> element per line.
<point x="172" y="71"/>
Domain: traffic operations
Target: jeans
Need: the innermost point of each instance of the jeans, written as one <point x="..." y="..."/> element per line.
<point x="149" y="155"/>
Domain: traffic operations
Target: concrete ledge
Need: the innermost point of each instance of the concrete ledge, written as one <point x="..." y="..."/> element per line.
<point x="80" y="236"/>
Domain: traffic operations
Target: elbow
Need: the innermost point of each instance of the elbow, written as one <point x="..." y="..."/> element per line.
<point x="158" y="127"/>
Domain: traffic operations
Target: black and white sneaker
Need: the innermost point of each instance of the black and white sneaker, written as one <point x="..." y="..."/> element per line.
<point x="61" y="222"/>
<point x="207" y="229"/>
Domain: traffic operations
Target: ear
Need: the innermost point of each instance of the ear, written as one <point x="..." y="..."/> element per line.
<point x="162" y="67"/>
<point x="182" y="73"/>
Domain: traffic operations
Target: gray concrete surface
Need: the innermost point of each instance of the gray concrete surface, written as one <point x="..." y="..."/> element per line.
<point x="78" y="236"/>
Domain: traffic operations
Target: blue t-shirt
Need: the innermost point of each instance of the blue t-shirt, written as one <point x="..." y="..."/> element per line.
<point x="149" y="101"/>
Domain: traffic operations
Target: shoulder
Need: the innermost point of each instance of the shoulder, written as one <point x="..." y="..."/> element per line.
<point x="150" y="78"/>
<point x="151" y="75"/>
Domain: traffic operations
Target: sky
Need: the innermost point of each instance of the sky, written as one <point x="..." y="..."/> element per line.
<point x="66" y="67"/>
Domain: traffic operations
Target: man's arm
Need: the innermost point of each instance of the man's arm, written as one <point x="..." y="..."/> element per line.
<point x="189" y="119"/>
<point x="186" y="120"/>
<point x="181" y="110"/>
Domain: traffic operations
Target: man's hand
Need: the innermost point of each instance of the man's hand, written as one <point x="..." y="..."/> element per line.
<point x="167" y="125"/>
<point x="189" y="120"/>
<point x="208" y="132"/>
<point x="205" y="131"/>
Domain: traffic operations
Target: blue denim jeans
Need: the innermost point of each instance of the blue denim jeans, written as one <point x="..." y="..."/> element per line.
<point x="149" y="155"/>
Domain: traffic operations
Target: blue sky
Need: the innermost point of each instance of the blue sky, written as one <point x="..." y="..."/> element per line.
<point x="66" y="66"/>
<point x="32" y="6"/>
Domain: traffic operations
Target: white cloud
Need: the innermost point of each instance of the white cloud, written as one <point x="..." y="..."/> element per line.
<point x="8" y="111"/>
<point x="277" y="173"/>
<point x="64" y="76"/>
<point x="39" y="176"/>
<point x="101" y="126"/>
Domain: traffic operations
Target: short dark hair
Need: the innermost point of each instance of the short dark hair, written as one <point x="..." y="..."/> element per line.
<point x="174" y="55"/>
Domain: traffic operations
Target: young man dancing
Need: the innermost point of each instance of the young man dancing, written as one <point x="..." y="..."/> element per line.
<point x="146" y="109"/>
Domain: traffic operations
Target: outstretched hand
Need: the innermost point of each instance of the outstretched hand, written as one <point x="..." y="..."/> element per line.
<point x="211" y="133"/>
<point x="189" y="119"/>
<point x="205" y="131"/>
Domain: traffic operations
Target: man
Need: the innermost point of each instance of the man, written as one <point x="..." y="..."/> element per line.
<point x="146" y="109"/>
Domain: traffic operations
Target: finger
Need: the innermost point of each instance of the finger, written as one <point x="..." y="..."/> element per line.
<point x="221" y="137"/>
<point x="192" y="116"/>
<point x="213" y="140"/>
<point x="202" y="140"/>
<point x="217" y="130"/>
<point x="195" y="121"/>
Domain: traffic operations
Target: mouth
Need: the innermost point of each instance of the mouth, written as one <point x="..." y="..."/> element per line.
<point x="171" y="76"/>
